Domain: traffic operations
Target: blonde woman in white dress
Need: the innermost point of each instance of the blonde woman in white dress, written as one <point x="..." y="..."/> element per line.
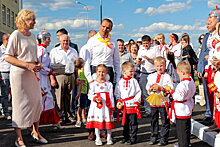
<point x="25" y="85"/>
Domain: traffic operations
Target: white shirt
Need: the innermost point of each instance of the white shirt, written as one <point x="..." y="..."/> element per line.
<point x="82" y="52"/>
<point x="185" y="90"/>
<point x="132" y="88"/>
<point x="98" y="53"/>
<point x="177" y="50"/>
<point x="152" y="52"/>
<point x="58" y="55"/>
<point x="162" y="80"/>
<point x="4" y="66"/>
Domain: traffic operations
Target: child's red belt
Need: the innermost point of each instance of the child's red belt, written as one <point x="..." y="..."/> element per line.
<point x="172" y="107"/>
<point x="124" y="110"/>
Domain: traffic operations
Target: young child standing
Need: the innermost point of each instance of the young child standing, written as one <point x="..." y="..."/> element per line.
<point x="183" y="104"/>
<point x="157" y="83"/>
<point x="101" y="110"/>
<point x="81" y="96"/>
<point x="128" y="93"/>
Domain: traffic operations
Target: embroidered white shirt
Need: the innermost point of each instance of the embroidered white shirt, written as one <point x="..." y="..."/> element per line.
<point x="177" y="50"/>
<point x="185" y="90"/>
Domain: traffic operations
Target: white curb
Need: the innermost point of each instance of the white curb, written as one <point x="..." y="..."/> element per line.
<point x="211" y="138"/>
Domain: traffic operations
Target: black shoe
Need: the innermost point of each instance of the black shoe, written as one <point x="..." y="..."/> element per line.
<point x="130" y="142"/>
<point x="145" y="115"/>
<point x="123" y="141"/>
<point x="153" y="140"/>
<point x="207" y="119"/>
<point x="211" y="128"/>
<point x="163" y="142"/>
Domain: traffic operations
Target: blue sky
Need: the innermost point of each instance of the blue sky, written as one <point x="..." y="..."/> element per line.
<point x="131" y="18"/>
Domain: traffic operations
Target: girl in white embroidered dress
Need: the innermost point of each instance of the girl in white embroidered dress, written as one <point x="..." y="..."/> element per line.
<point x="101" y="110"/>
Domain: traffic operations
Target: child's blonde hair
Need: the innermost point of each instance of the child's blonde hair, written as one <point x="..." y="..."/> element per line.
<point x="102" y="65"/>
<point x="126" y="65"/>
<point x="159" y="60"/>
<point x="161" y="35"/>
<point x="185" y="66"/>
<point x="78" y="63"/>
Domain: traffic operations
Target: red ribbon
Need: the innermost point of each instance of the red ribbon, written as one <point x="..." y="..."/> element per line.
<point x="38" y="79"/>
<point x="172" y="108"/>
<point x="125" y="112"/>
<point x="107" y="101"/>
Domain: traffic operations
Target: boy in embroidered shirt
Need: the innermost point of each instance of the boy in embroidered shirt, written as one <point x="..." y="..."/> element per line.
<point x="157" y="83"/>
<point x="128" y="93"/>
<point x="183" y="103"/>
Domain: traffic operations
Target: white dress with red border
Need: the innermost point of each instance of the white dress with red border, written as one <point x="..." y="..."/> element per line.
<point x="183" y="103"/>
<point x="101" y="118"/>
<point x="163" y="51"/>
<point x="49" y="115"/>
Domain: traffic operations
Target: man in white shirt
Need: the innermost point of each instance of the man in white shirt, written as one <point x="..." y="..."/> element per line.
<point x="145" y="58"/>
<point x="124" y="55"/>
<point x="4" y="76"/>
<point x="65" y="55"/>
<point x="102" y="49"/>
<point x="82" y="51"/>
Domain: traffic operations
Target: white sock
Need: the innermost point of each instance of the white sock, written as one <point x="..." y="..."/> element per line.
<point x="97" y="134"/>
<point x="109" y="134"/>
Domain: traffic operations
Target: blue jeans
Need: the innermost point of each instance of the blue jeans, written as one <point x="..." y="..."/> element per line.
<point x="208" y="111"/>
<point x="5" y="84"/>
<point x="143" y="82"/>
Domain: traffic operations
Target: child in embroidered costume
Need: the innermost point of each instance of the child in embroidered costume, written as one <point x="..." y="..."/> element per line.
<point x="101" y="110"/>
<point x="157" y="82"/>
<point x="128" y="93"/>
<point x="182" y="104"/>
<point x="81" y="96"/>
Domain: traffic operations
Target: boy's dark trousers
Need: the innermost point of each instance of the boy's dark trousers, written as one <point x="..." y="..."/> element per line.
<point x="130" y="120"/>
<point x="183" y="127"/>
<point x="164" y="133"/>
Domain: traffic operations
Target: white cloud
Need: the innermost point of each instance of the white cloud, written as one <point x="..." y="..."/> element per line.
<point x="139" y="10"/>
<point x="165" y="8"/>
<point x="122" y="1"/>
<point x="213" y="3"/>
<point x="169" y="0"/>
<point x="118" y="27"/>
<point x="79" y="24"/>
<point x="166" y="27"/>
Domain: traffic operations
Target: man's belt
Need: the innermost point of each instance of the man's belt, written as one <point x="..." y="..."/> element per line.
<point x="68" y="74"/>
<point x="4" y="71"/>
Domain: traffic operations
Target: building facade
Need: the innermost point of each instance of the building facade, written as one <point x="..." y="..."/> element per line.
<point x="8" y="12"/>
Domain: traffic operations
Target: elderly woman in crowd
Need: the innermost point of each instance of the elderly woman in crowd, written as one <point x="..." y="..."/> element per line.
<point x="26" y="92"/>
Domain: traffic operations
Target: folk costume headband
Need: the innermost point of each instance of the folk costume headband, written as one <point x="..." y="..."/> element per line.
<point x="106" y="42"/>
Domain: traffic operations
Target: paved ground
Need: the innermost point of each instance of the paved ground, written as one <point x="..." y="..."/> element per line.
<point x="77" y="137"/>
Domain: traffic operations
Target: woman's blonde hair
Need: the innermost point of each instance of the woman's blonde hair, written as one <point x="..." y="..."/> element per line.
<point x="23" y="15"/>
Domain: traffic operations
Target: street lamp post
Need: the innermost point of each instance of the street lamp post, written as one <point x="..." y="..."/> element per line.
<point x="77" y="2"/>
<point x="100" y="11"/>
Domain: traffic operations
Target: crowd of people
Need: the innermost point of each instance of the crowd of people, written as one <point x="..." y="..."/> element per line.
<point x="93" y="85"/>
